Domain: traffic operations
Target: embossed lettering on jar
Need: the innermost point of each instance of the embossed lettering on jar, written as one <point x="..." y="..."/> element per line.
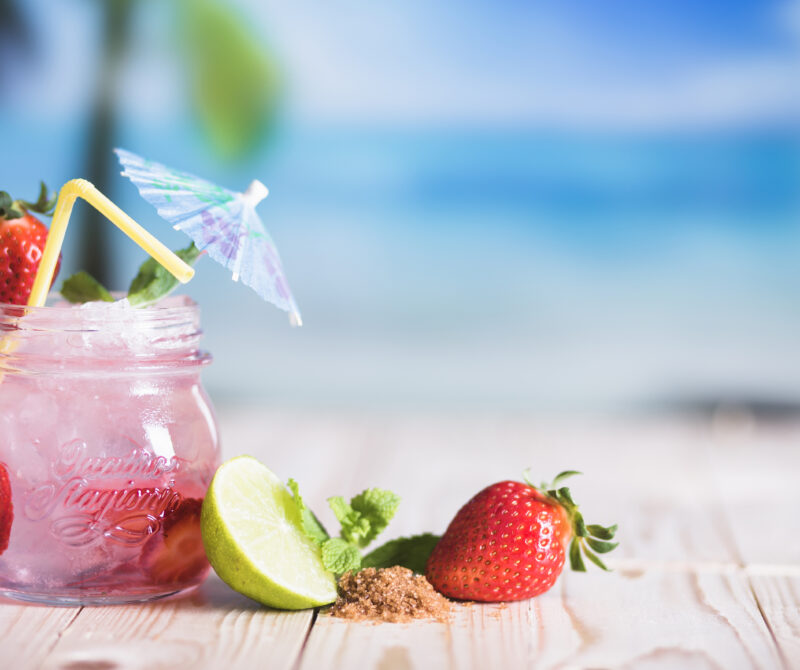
<point x="108" y="443"/>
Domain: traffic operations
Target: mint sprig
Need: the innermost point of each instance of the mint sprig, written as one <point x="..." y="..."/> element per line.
<point x="366" y="516"/>
<point x="339" y="556"/>
<point x="362" y="520"/>
<point x="309" y="523"/>
<point x="152" y="283"/>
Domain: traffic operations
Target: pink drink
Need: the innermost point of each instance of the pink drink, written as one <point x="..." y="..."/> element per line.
<point x="108" y="442"/>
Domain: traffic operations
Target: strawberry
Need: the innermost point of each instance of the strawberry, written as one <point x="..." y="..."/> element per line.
<point x="6" y="508"/>
<point x="509" y="542"/>
<point x="22" y="240"/>
<point x="175" y="554"/>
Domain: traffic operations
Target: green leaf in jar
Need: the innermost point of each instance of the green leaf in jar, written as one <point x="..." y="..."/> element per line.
<point x="155" y="282"/>
<point x="82" y="287"/>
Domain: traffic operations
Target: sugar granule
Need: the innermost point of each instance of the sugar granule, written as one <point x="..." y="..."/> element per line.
<point x="389" y="594"/>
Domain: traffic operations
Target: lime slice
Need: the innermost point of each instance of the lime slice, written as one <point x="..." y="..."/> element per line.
<point x="254" y="541"/>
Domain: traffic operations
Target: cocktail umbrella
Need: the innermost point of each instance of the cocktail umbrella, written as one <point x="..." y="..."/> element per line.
<point x="223" y="223"/>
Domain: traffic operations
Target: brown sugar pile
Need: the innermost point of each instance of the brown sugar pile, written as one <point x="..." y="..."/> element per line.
<point x="389" y="594"/>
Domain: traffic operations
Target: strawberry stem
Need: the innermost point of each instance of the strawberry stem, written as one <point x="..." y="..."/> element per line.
<point x="15" y="209"/>
<point x="586" y="539"/>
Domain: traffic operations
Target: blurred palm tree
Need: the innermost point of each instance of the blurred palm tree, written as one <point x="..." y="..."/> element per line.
<point x="233" y="86"/>
<point x="14" y="31"/>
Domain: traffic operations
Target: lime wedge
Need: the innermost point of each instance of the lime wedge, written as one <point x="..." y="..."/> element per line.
<point x="254" y="541"/>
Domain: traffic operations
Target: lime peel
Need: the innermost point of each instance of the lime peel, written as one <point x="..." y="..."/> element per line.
<point x="254" y="539"/>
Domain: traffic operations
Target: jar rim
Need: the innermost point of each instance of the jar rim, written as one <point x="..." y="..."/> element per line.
<point x="62" y="338"/>
<point x="173" y="309"/>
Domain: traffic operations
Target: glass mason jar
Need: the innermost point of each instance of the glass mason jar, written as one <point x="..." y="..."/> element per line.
<point x="108" y="443"/>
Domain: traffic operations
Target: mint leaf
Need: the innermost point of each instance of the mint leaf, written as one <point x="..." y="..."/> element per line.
<point x="341" y="509"/>
<point x="310" y="524"/>
<point x="354" y="526"/>
<point x="408" y="552"/>
<point x="339" y="556"/>
<point x="82" y="287"/>
<point x="154" y="281"/>
<point x="366" y="516"/>
<point x="377" y="507"/>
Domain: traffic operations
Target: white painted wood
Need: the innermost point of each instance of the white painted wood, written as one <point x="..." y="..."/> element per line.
<point x="679" y="598"/>
<point x="691" y="499"/>
<point x="28" y="632"/>
<point x="654" y="620"/>
<point x="651" y="477"/>
<point x="779" y="600"/>
<point x="757" y="477"/>
<point x="213" y="628"/>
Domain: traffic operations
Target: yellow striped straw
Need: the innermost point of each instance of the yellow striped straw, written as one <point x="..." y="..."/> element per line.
<point x="80" y="188"/>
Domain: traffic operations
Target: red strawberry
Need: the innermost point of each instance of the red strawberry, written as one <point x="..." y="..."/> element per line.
<point x="175" y="554"/>
<point x="6" y="508"/>
<point x="22" y="240"/>
<point x="509" y="543"/>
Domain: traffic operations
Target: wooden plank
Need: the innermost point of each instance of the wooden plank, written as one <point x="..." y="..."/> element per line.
<point x="212" y="628"/>
<point x="665" y="619"/>
<point x="755" y="468"/>
<point x="678" y="599"/>
<point x="655" y="619"/>
<point x="779" y="600"/>
<point x="650" y="476"/>
<point x="476" y="632"/>
<point x="29" y="632"/>
<point x="756" y="475"/>
<point x="317" y="449"/>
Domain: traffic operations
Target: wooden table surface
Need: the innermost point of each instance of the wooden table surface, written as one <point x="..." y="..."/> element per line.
<point x="707" y="574"/>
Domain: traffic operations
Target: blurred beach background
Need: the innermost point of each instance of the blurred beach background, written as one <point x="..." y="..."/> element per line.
<point x="503" y="206"/>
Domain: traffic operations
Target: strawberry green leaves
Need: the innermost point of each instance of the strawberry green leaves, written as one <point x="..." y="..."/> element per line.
<point x="583" y="540"/>
<point x="15" y="209"/>
<point x="560" y="477"/>
<point x="45" y="203"/>
<point x="7" y="208"/>
<point x="601" y="532"/>
<point x="586" y="539"/>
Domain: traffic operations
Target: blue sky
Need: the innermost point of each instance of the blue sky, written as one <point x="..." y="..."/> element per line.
<point x="440" y="240"/>
<point x="571" y="63"/>
<point x="576" y="63"/>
